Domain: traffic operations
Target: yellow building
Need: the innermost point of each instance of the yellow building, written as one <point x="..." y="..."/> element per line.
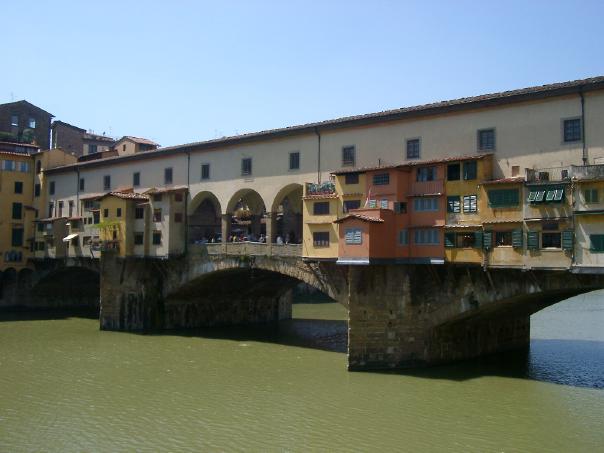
<point x="321" y="207"/>
<point x="16" y="211"/>
<point x="463" y="227"/>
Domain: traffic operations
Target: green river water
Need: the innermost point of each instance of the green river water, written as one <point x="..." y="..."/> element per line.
<point x="66" y="386"/>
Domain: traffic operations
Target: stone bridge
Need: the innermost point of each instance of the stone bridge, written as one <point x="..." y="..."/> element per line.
<point x="398" y="315"/>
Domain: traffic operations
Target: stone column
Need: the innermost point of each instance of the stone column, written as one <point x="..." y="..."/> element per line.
<point x="226" y="230"/>
<point x="270" y="231"/>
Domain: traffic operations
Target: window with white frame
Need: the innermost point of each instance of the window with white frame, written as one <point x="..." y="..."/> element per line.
<point x="470" y="204"/>
<point x="353" y="236"/>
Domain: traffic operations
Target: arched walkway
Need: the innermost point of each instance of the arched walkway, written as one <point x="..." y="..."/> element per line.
<point x="286" y="214"/>
<point x="204" y="218"/>
<point x="245" y="217"/>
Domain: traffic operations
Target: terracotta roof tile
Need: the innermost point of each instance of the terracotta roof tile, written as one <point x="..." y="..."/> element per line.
<point x="363" y="217"/>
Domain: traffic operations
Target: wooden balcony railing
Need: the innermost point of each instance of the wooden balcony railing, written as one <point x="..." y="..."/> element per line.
<point x="427" y="187"/>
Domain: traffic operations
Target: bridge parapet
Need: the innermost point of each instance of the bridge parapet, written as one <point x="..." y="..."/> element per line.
<point x="248" y="249"/>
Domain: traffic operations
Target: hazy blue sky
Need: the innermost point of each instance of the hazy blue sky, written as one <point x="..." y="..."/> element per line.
<point x="183" y="71"/>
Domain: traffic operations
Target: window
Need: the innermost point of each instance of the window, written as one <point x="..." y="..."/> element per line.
<point x="92" y="149"/>
<point x="70" y="208"/>
<point x="413" y="148"/>
<point x="105" y="213"/>
<point x="82" y="184"/>
<point x="294" y="161"/>
<point x="372" y="203"/>
<point x="515" y="170"/>
<point x="320" y="208"/>
<point x="463" y="240"/>
<point x="14" y="120"/>
<point x="597" y="242"/>
<point x="139" y="238"/>
<point x="426" y="236"/>
<point x="470" y="203"/>
<point x="118" y="212"/>
<point x="351" y="178"/>
<point x="157" y="215"/>
<point x="320" y="239"/>
<point x="8" y="165"/>
<point x="503" y="238"/>
<point x="590" y="195"/>
<point x="18" y="187"/>
<point x="351" y="204"/>
<point x="470" y="170"/>
<point x="24" y="167"/>
<point x="51" y="188"/>
<point x="571" y="130"/>
<point x="139" y="212"/>
<point x="178" y="197"/>
<point x="124" y="147"/>
<point x="178" y="217"/>
<point x="17" y="211"/>
<point x="383" y="204"/>
<point x="37" y="190"/>
<point x="51" y="209"/>
<point x="400" y="207"/>
<point x="157" y="238"/>
<point x="426" y="174"/>
<point x="136" y="179"/>
<point x="348" y="156"/>
<point x="38" y="166"/>
<point x="353" y="236"/>
<point x="454" y="204"/>
<point x="205" y="171"/>
<point x="551" y="240"/>
<point x="403" y="237"/>
<point x="246" y="166"/>
<point x="168" y="175"/>
<point x="425" y="204"/>
<point x="157" y="197"/>
<point x="60" y="209"/>
<point x="107" y="182"/>
<point x="454" y="172"/>
<point x="503" y="198"/>
<point x="381" y="179"/>
<point x="486" y="139"/>
<point x="31" y="123"/>
<point x="17" y="237"/>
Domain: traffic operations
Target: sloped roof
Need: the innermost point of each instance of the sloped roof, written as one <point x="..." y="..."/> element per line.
<point x="139" y="140"/>
<point x="29" y="104"/>
<point x="127" y="196"/>
<point x="363" y="217"/>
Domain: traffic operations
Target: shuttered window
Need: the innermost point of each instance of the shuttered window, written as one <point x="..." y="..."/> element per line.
<point x="426" y="237"/>
<point x="568" y="238"/>
<point x="372" y="203"/>
<point x="517" y="241"/>
<point x="532" y="240"/>
<point x="590" y="195"/>
<point x="403" y="237"/>
<point x="353" y="236"/>
<point x="400" y="207"/>
<point x="597" y="242"/>
<point x="425" y="204"/>
<point x="503" y="198"/>
<point x="384" y="204"/>
<point x="454" y="204"/>
<point x="470" y="170"/>
<point x="487" y="240"/>
<point x="449" y="239"/>
<point x="470" y="203"/>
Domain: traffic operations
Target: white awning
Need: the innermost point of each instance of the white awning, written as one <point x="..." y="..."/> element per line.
<point x="70" y="237"/>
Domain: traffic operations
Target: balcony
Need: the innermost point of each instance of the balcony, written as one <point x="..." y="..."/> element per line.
<point x="588" y="172"/>
<point x="546" y="175"/>
<point x="436" y="187"/>
<point x="324" y="188"/>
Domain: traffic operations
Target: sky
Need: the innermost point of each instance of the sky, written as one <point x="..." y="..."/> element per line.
<point x="185" y="71"/>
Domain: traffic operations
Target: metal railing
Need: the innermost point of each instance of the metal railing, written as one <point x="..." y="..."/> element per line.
<point x="549" y="174"/>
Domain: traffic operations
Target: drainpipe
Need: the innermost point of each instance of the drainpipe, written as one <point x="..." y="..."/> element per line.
<point x="583" y="127"/>
<point x="187" y="202"/>
<point x="318" y="155"/>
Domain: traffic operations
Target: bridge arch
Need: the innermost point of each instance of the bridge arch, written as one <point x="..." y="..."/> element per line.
<point x="204" y="223"/>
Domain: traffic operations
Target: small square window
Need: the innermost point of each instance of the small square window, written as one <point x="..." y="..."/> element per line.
<point x="348" y="156"/>
<point x="157" y="197"/>
<point x="31" y="123"/>
<point x="178" y="197"/>
<point x="486" y="139"/>
<point x="353" y="236"/>
<point x="454" y="204"/>
<point x="351" y="204"/>
<point x="246" y="166"/>
<point x="139" y="238"/>
<point x="14" y="120"/>
<point x="205" y="171"/>
<point x="453" y="172"/>
<point x="139" y="213"/>
<point x="18" y="187"/>
<point x="470" y="170"/>
<point x="413" y="148"/>
<point x="105" y="213"/>
<point x="381" y="179"/>
<point x="157" y="215"/>
<point x="321" y="208"/>
<point x="118" y="212"/>
<point x="294" y="161"/>
<point x="157" y="238"/>
<point x="351" y="178"/>
<point x="320" y="238"/>
<point x="92" y="149"/>
<point x="572" y="130"/>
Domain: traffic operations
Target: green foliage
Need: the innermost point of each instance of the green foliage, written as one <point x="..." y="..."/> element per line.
<point x="108" y="225"/>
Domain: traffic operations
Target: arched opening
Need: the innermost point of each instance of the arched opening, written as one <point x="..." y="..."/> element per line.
<point x="57" y="289"/>
<point x="247" y="217"/>
<point x="287" y="215"/>
<point x="204" y="219"/>
<point x="266" y="305"/>
<point x="8" y="280"/>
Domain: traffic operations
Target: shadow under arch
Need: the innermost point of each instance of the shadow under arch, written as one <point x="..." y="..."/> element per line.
<point x="248" y="214"/>
<point x="286" y="213"/>
<point x="68" y="287"/>
<point x="204" y="222"/>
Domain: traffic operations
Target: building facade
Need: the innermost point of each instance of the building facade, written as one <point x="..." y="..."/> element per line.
<point x="23" y="122"/>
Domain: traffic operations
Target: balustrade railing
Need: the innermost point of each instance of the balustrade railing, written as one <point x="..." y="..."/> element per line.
<point x="248" y="249"/>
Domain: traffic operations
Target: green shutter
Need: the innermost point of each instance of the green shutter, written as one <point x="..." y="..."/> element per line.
<point x="487" y="240"/>
<point x="517" y="239"/>
<point x="597" y="242"/>
<point x="532" y="240"/>
<point x="568" y="239"/>
<point x="478" y="239"/>
<point x="449" y="239"/>
<point x="504" y="197"/>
